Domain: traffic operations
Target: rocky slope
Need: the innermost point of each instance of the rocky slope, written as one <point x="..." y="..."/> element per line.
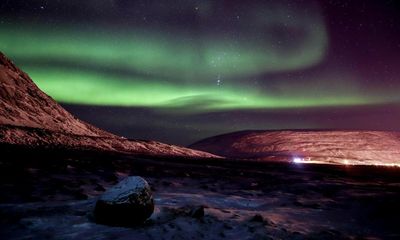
<point x="31" y="118"/>
<point x="337" y="147"/>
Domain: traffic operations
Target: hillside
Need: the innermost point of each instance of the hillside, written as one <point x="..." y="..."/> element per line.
<point x="29" y="117"/>
<point x="337" y="147"/>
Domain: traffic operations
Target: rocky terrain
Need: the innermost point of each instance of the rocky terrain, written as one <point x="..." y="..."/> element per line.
<point x="307" y="146"/>
<point x="30" y="117"/>
<point x="52" y="195"/>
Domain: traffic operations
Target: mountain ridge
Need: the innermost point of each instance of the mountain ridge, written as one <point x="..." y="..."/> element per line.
<point x="30" y="117"/>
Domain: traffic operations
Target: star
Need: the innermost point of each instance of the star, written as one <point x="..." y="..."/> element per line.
<point x="219" y="81"/>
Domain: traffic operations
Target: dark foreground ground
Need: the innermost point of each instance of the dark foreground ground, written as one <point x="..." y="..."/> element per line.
<point x="50" y="194"/>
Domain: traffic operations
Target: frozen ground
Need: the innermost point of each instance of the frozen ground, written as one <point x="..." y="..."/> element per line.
<point x="54" y="198"/>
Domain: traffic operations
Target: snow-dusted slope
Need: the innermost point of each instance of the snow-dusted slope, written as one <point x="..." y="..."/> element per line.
<point x="340" y="147"/>
<point x="30" y="117"/>
<point x="22" y="103"/>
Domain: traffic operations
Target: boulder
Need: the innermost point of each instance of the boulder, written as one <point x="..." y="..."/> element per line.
<point x="197" y="212"/>
<point x="128" y="203"/>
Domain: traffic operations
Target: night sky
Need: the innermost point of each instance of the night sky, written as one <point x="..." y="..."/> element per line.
<point x="181" y="70"/>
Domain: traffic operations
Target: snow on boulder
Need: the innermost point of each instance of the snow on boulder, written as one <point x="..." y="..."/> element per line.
<point x="128" y="203"/>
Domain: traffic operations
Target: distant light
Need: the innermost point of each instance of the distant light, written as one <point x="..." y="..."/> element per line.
<point x="346" y="162"/>
<point x="298" y="160"/>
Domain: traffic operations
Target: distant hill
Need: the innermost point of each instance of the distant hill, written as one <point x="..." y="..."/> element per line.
<point x="336" y="147"/>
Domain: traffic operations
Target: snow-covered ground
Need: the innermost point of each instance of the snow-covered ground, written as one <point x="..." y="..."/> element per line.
<point x="266" y="201"/>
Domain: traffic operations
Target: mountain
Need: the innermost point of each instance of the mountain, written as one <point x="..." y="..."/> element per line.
<point x="336" y="147"/>
<point x="29" y="117"/>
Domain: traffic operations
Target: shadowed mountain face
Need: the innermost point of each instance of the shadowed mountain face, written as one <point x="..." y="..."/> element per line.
<point x="335" y="147"/>
<point x="29" y="117"/>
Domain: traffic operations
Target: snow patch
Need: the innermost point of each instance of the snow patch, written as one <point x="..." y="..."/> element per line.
<point x="120" y="193"/>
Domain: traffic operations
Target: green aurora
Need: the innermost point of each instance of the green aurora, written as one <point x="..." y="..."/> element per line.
<point x="165" y="53"/>
<point x="97" y="89"/>
<point x="160" y="56"/>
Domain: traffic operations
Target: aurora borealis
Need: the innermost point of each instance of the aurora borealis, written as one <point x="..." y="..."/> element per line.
<point x="176" y="70"/>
